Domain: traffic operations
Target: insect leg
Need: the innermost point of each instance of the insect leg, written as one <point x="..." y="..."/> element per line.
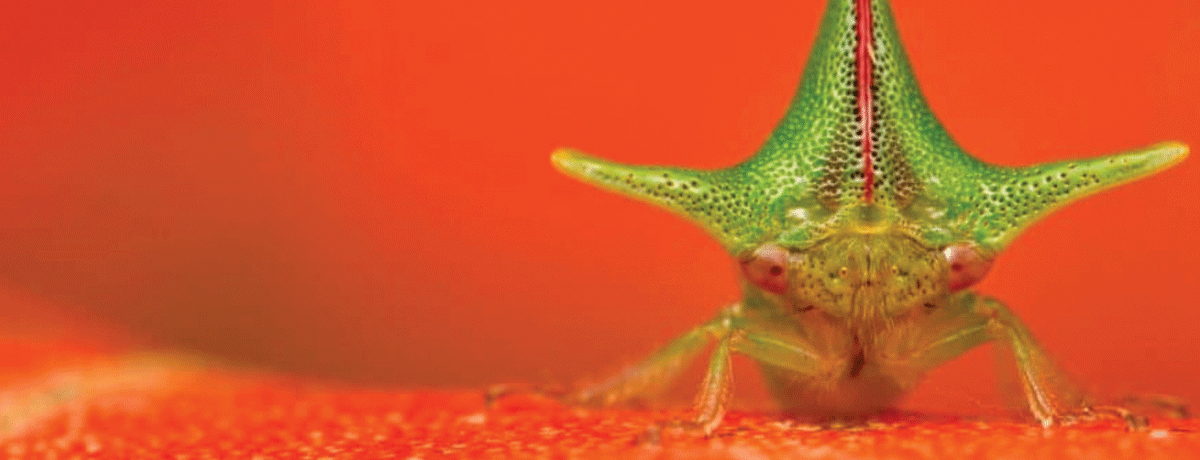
<point x="973" y="320"/>
<point x="716" y="389"/>
<point x="1051" y="396"/>
<point x="653" y="374"/>
<point x="768" y="345"/>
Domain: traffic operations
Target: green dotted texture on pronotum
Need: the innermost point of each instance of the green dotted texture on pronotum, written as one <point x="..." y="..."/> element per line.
<point x="1010" y="198"/>
<point x="723" y="202"/>
<point x="810" y="180"/>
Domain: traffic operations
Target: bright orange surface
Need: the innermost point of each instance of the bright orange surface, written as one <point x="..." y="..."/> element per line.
<point x="214" y="415"/>
<point x="67" y="400"/>
<point x="361" y="190"/>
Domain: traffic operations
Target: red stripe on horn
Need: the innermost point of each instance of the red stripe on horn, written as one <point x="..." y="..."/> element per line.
<point x="863" y="63"/>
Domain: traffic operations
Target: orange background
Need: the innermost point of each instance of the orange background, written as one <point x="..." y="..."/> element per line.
<point x="361" y="190"/>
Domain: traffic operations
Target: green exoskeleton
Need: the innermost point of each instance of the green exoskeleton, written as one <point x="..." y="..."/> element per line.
<point x="859" y="225"/>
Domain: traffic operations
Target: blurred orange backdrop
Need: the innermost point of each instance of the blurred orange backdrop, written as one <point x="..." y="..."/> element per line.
<point x="360" y="190"/>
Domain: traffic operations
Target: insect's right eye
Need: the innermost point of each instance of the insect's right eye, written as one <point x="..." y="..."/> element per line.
<point x="967" y="266"/>
<point x="767" y="268"/>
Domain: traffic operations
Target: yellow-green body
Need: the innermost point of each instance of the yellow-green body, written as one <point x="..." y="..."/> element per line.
<point x="859" y="225"/>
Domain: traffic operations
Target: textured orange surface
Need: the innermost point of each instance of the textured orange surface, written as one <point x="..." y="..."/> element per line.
<point x="80" y="391"/>
<point x="156" y="407"/>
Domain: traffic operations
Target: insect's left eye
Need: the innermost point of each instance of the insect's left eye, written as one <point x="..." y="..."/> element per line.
<point x="767" y="268"/>
<point x="967" y="266"/>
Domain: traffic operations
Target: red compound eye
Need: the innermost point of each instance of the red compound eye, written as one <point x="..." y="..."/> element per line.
<point x="967" y="266"/>
<point x="767" y="268"/>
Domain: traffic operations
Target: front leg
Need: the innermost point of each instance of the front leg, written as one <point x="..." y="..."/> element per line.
<point x="734" y="333"/>
<point x="765" y="343"/>
<point x="1050" y="394"/>
<point x="970" y="320"/>
<point x="656" y="372"/>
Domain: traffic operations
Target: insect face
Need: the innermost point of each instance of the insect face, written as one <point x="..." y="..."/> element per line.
<point x="856" y="275"/>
